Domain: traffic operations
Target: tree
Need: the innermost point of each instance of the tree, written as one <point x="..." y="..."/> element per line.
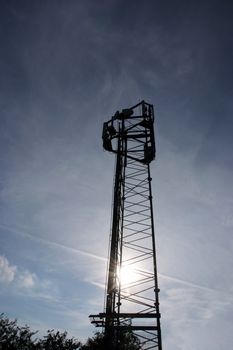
<point x="95" y="343"/>
<point x="127" y="341"/>
<point x="13" y="337"/>
<point x="58" y="341"/>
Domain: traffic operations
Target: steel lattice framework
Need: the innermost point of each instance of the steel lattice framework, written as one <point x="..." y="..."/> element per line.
<point x="132" y="293"/>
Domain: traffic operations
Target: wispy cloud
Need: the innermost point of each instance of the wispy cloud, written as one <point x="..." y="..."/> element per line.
<point x="13" y="274"/>
<point x="97" y="284"/>
<point x="7" y="271"/>
<point x="51" y="243"/>
<point x="22" y="281"/>
<point x="185" y="307"/>
<point x="192" y="284"/>
<point x="27" y="279"/>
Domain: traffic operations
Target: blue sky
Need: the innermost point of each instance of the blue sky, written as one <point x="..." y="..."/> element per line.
<point x="67" y="66"/>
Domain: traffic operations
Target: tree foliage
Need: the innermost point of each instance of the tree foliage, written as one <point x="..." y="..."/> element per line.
<point x="95" y="343"/>
<point x="127" y="341"/>
<point x="15" y="337"/>
<point x="58" y="341"/>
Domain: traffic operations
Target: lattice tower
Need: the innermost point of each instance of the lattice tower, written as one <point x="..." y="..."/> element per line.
<point x="132" y="293"/>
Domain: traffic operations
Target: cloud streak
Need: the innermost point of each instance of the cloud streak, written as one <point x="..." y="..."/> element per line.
<point x="194" y="285"/>
<point x="64" y="70"/>
<point x="52" y="243"/>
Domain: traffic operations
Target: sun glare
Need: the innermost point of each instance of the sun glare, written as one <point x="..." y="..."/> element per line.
<point x="127" y="276"/>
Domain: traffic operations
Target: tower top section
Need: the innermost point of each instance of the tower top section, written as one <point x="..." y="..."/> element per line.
<point x="134" y="128"/>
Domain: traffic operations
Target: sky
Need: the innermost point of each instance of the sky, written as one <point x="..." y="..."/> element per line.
<point x="65" y="68"/>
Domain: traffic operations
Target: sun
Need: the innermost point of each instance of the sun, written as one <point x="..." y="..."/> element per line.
<point x="127" y="276"/>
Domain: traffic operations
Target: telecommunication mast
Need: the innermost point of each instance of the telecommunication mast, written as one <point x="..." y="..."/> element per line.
<point x="132" y="293"/>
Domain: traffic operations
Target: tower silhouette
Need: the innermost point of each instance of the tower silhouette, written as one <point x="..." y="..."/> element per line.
<point x="132" y="293"/>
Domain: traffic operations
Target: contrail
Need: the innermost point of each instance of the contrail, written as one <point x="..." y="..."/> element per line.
<point x="97" y="257"/>
<point x="193" y="285"/>
<point x="51" y="243"/>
